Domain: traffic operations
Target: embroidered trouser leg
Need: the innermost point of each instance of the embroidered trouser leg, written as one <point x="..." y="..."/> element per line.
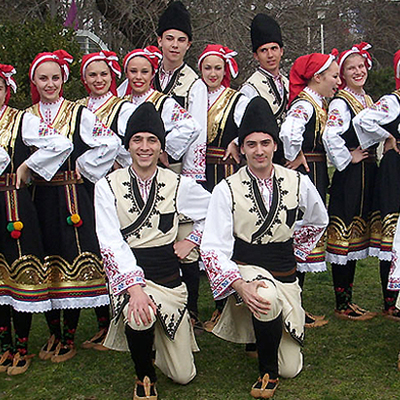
<point x="343" y="278"/>
<point x="22" y="325"/>
<point x="5" y="328"/>
<point x="103" y="316"/>
<point x="141" y="347"/>
<point x="389" y="296"/>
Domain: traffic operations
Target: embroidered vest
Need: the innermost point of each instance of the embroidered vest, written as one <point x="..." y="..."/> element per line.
<point x="312" y="136"/>
<point x="150" y="224"/>
<point x="221" y="128"/>
<point x="252" y="222"/>
<point x="355" y="107"/>
<point x="179" y="86"/>
<point x="10" y="138"/>
<point x="266" y="88"/>
<point x="108" y="112"/>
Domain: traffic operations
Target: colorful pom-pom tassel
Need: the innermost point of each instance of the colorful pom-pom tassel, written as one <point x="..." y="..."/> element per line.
<point x="79" y="223"/>
<point x="75" y="218"/>
<point x="15" y="234"/>
<point x="18" y="225"/>
<point x="10" y="226"/>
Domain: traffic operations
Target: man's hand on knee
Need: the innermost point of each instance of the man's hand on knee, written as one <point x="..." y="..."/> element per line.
<point x="139" y="304"/>
<point x="248" y="291"/>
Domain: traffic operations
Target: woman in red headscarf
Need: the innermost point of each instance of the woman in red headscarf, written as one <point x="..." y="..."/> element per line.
<point x="140" y="66"/>
<point x="351" y="193"/>
<point x="99" y="72"/>
<point x="65" y="209"/>
<point x="23" y="279"/>
<point x="375" y="124"/>
<point x="313" y="78"/>
<point x="226" y="108"/>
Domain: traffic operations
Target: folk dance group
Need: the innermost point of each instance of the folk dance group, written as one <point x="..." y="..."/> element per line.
<point x="171" y="138"/>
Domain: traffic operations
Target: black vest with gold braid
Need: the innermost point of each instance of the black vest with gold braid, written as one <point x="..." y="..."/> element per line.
<point x="387" y="196"/>
<point x="66" y="217"/>
<point x="221" y="130"/>
<point x="351" y="197"/>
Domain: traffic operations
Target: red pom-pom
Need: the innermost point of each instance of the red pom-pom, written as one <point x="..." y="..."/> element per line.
<point x="78" y="224"/>
<point x="15" y="234"/>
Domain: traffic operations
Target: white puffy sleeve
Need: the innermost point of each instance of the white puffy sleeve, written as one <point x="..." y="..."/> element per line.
<point x="218" y="242"/>
<point x="339" y="120"/>
<point x="240" y="109"/>
<point x="293" y="127"/>
<point x="194" y="160"/>
<point x="249" y="91"/>
<point x="118" y="259"/>
<point x="182" y="129"/>
<point x="193" y="201"/>
<point x="104" y="145"/>
<point x="52" y="148"/>
<point x="368" y="123"/>
<point x="4" y="160"/>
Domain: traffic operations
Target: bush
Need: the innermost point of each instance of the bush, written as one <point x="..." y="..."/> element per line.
<point x="21" y="42"/>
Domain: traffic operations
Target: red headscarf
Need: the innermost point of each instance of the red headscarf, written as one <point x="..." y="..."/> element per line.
<point x="305" y="67"/>
<point x="111" y="59"/>
<point x="61" y="57"/>
<point x="151" y="53"/>
<point x="6" y="72"/>
<point x="396" y="65"/>
<point x="227" y="55"/>
<point x="360" y="49"/>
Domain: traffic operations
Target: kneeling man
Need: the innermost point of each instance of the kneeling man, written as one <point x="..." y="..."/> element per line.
<point x="250" y="245"/>
<point x="137" y="212"/>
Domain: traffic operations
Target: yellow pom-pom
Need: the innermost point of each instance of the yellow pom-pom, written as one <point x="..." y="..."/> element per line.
<point x="75" y="218"/>
<point x="18" y="225"/>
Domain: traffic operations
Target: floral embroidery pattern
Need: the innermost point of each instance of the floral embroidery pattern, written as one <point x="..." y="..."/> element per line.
<point x="380" y="105"/>
<point x="110" y="265"/>
<point x="299" y="112"/>
<point x="220" y="281"/>
<point x="195" y="237"/>
<point x="305" y="239"/>
<point x="46" y="130"/>
<point x="179" y="113"/>
<point x="170" y="323"/>
<point x="101" y="130"/>
<point x="334" y="118"/>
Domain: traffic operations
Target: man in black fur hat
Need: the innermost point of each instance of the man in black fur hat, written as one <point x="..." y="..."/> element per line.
<point x="250" y="246"/>
<point x="267" y="81"/>
<point x="137" y="212"/>
<point x="177" y="79"/>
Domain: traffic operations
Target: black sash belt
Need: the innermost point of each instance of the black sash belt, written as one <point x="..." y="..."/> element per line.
<point x="276" y="258"/>
<point x="160" y="264"/>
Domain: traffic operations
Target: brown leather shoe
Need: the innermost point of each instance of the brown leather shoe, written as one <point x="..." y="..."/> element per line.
<point x="64" y="352"/>
<point x="209" y="325"/>
<point x="392" y="314"/>
<point x="20" y="364"/>
<point x="6" y="361"/>
<point x="47" y="351"/>
<point x="315" y="321"/>
<point x="264" y="388"/>
<point x="355" y="313"/>
<point x="96" y="342"/>
<point x="147" y="388"/>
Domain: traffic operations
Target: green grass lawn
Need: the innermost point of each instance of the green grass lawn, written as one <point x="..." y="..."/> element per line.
<point x="342" y="360"/>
